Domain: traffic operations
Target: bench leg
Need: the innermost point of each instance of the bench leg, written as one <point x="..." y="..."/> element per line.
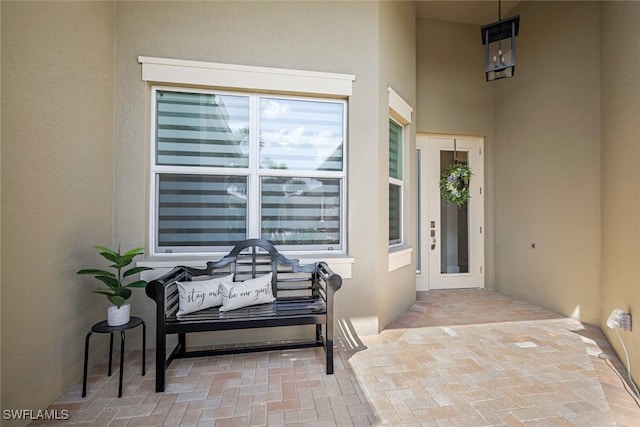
<point x="329" y="351"/>
<point x="329" y="344"/>
<point x="182" y="340"/>
<point x="161" y="358"/>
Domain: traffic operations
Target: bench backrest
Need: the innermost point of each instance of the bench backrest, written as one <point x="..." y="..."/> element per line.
<point x="249" y="259"/>
<point x="257" y="257"/>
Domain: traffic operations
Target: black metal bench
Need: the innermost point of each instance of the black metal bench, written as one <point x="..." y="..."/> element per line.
<point x="304" y="296"/>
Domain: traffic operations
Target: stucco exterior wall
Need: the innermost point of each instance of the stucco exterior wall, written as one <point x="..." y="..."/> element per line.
<point x="0" y="222"/>
<point x="560" y="158"/>
<point x="316" y="36"/>
<point x="57" y="118"/>
<point x="397" y="289"/>
<point x="453" y="97"/>
<point x="547" y="162"/>
<point x="620" y="67"/>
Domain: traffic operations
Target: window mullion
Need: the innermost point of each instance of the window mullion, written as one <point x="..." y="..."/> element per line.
<point x="200" y="170"/>
<point x="395" y="181"/>
<point x="253" y="230"/>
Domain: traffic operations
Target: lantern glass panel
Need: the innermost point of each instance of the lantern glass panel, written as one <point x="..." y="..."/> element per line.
<point x="500" y="55"/>
<point x="501" y="61"/>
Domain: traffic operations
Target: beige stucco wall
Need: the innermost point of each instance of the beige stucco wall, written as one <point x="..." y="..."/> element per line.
<point x="547" y="162"/>
<point x="620" y="68"/>
<point x="453" y="98"/>
<point x="1" y="219"/>
<point x="82" y="164"/>
<point x="397" y="23"/>
<point x="57" y="118"/>
<point x="75" y="148"/>
<point x="316" y="36"/>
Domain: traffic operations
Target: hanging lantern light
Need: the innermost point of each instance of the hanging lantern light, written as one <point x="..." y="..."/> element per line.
<point x="499" y="40"/>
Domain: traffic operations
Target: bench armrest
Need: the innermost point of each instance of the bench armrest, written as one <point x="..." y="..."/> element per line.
<point x="155" y="288"/>
<point x="332" y="279"/>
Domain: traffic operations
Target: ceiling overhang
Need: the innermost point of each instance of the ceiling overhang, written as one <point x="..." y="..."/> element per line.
<point x="466" y="12"/>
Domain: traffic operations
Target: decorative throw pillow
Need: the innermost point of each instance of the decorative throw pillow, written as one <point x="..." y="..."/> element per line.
<point x="242" y="294"/>
<point x="199" y="294"/>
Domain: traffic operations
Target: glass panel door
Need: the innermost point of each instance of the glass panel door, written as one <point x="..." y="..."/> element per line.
<point x="450" y="236"/>
<point x="454" y="223"/>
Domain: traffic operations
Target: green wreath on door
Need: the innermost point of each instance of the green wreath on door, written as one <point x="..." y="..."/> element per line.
<point x="454" y="184"/>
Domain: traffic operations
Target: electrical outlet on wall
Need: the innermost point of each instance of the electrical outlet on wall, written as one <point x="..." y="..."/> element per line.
<point x="620" y="319"/>
<point x="625" y="321"/>
<point x="614" y="318"/>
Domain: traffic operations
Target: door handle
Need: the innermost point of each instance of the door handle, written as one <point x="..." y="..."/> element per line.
<point x="433" y="239"/>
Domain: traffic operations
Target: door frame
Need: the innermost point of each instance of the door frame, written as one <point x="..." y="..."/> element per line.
<point x="427" y="278"/>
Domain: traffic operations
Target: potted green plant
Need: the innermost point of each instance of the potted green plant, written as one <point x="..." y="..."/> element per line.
<point x="116" y="290"/>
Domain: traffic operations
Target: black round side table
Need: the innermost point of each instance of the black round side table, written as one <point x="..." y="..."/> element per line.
<point x="104" y="328"/>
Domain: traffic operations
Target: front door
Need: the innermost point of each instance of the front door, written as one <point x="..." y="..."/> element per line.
<point x="451" y="237"/>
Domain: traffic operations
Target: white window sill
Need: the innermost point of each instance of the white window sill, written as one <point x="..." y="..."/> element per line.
<point x="340" y="264"/>
<point x="399" y="258"/>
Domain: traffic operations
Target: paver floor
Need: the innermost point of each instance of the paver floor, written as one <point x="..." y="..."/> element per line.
<point x="456" y="358"/>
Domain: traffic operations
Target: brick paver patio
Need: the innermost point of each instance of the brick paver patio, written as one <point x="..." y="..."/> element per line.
<point x="456" y="358"/>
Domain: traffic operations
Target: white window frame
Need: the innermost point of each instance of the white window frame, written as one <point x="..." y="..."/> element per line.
<point x="399" y="182"/>
<point x="400" y="112"/>
<point x="182" y="75"/>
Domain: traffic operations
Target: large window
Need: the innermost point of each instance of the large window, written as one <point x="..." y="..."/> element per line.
<point x="399" y="135"/>
<point x="396" y="137"/>
<point x="230" y="166"/>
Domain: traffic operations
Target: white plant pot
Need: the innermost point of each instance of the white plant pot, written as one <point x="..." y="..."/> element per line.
<point x="118" y="316"/>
